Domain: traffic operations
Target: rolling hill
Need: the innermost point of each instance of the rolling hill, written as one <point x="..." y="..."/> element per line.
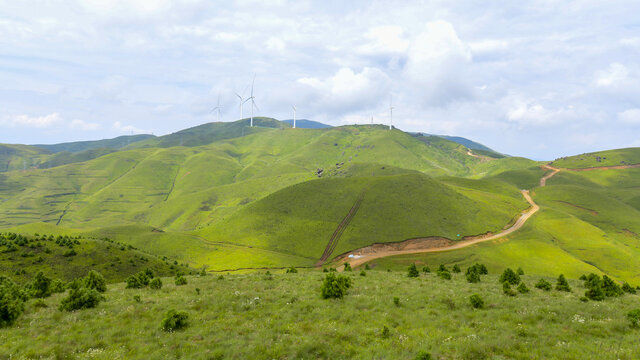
<point x="228" y="196"/>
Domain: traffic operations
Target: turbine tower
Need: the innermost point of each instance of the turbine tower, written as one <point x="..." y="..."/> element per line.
<point x="218" y="108"/>
<point x="294" y="116"/>
<point x="242" y="101"/>
<point x="253" y="103"/>
<point x="390" y="112"/>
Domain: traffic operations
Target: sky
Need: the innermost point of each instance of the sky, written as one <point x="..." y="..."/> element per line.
<point x="541" y="79"/>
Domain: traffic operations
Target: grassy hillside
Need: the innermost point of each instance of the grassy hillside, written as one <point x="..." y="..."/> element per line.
<point x="79" y="146"/>
<point x="19" y="157"/>
<point x="589" y="221"/>
<point x="282" y="316"/>
<point x="628" y="156"/>
<point x="301" y="219"/>
<point x="307" y="124"/>
<point x="69" y="257"/>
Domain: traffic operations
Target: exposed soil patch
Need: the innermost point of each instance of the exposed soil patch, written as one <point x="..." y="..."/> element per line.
<point x="593" y="212"/>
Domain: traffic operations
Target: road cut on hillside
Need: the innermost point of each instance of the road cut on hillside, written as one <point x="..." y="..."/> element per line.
<point x="438" y="244"/>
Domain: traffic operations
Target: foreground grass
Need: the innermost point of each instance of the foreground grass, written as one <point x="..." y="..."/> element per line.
<point x="249" y="316"/>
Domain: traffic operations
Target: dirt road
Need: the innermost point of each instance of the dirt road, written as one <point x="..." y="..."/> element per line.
<point x="436" y="244"/>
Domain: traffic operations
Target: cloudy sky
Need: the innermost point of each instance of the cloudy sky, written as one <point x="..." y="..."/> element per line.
<point x="540" y="79"/>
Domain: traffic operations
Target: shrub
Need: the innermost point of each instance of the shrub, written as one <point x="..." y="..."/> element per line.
<point x="480" y="268"/>
<point x="562" y="284"/>
<point x="509" y="276"/>
<point x="592" y="280"/>
<point x="155" y="284"/>
<point x="442" y="268"/>
<point x="41" y="286"/>
<point x="385" y="332"/>
<point x="367" y="267"/>
<point x="456" y="268"/>
<point x="203" y="272"/>
<point x="292" y="270"/>
<point x="426" y="269"/>
<point x="347" y="267"/>
<point x="396" y="301"/>
<point x="174" y="320"/>
<point x="584" y="299"/>
<point x="11" y="301"/>
<point x="133" y="283"/>
<point x="594" y="291"/>
<point x="506" y="289"/>
<point x="95" y="280"/>
<point x="628" y="288"/>
<point x="444" y="275"/>
<point x="335" y="286"/>
<point x="413" y="271"/>
<point x="634" y="317"/>
<point x="610" y="288"/>
<point x="522" y="288"/>
<point x="137" y="298"/>
<point x="57" y="286"/>
<point x="423" y="355"/>
<point x="70" y="252"/>
<point x="363" y="273"/>
<point x="472" y="275"/>
<point x="180" y="280"/>
<point x="80" y="298"/>
<point x="476" y="301"/>
<point x="520" y="271"/>
<point x="583" y="277"/>
<point x="325" y="270"/>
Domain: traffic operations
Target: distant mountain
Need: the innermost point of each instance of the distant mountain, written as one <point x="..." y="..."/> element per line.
<point x="210" y="132"/>
<point x="469" y="144"/>
<point x="78" y="146"/>
<point x="307" y="124"/>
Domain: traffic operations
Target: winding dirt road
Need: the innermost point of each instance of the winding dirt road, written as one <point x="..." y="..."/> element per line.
<point x="438" y="244"/>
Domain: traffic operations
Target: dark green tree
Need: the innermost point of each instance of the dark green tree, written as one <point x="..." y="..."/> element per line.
<point x="562" y="284"/>
<point x="509" y="276"/>
<point x="413" y="271"/>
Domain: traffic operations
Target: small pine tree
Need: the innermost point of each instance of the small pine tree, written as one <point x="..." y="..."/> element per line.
<point x="472" y="276"/>
<point x="426" y="269"/>
<point x="509" y="276"/>
<point x="444" y="275"/>
<point x="41" y="286"/>
<point x="423" y="355"/>
<point x="155" y="284"/>
<point x="363" y="273"/>
<point x="396" y="301"/>
<point x="413" y="271"/>
<point x="543" y="284"/>
<point x="610" y="288"/>
<point x="367" y="267"/>
<point x="628" y="288"/>
<point x="80" y="298"/>
<point x="583" y="277"/>
<point x="181" y="280"/>
<point x="174" y="320"/>
<point x="292" y="270"/>
<point x="347" y="267"/>
<point x="442" y="268"/>
<point x="506" y="289"/>
<point x="12" y="300"/>
<point x="133" y="283"/>
<point x="476" y="301"/>
<point x="456" y="268"/>
<point x="520" y="271"/>
<point x="634" y="318"/>
<point x="203" y="272"/>
<point x="95" y="280"/>
<point x="335" y="286"/>
<point x="562" y="284"/>
<point x="594" y="292"/>
<point x="385" y="332"/>
<point x="522" y="288"/>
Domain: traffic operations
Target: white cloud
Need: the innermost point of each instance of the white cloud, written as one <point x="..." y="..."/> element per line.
<point x="631" y="116"/>
<point x="530" y="112"/>
<point x="39" y="122"/>
<point x="437" y="61"/>
<point x="127" y="129"/>
<point x="275" y="44"/>
<point x="614" y="75"/>
<point x="385" y="39"/>
<point x="488" y="45"/>
<point x="347" y="90"/>
<point x="83" y="125"/>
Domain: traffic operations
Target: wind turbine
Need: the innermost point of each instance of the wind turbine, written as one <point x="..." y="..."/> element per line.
<point x="294" y="116"/>
<point x="218" y="108"/>
<point x="252" y="98"/>
<point x="390" y="112"/>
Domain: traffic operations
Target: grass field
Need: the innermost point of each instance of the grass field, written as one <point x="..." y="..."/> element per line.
<point x="615" y="157"/>
<point x="283" y="317"/>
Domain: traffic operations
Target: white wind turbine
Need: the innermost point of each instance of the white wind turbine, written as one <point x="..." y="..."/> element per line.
<point x="252" y="98"/>
<point x="218" y="108"/>
<point x="294" y="116"/>
<point x="242" y="101"/>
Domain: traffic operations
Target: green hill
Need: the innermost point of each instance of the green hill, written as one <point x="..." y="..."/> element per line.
<point x="618" y="157"/>
<point x="19" y="157"/>
<point x="79" y="146"/>
<point x="69" y="257"/>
